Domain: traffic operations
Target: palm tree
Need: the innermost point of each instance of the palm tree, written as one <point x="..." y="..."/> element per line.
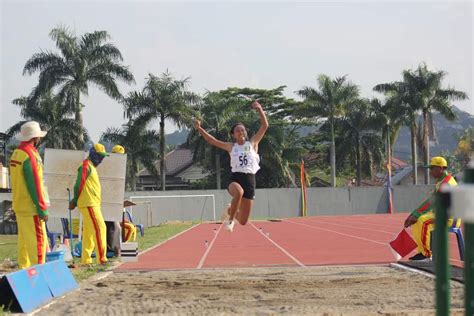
<point x="359" y="140"/>
<point x="425" y="93"/>
<point x="163" y="98"/>
<point x="402" y="111"/>
<point x="81" y="61"/>
<point x="140" y="145"/>
<point x="329" y="101"/>
<point x="49" y="111"/>
<point x="390" y="121"/>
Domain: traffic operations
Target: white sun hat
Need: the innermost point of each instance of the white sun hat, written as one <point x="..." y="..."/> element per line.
<point x="30" y="130"/>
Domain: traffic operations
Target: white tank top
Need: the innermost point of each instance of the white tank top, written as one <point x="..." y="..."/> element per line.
<point x="244" y="158"/>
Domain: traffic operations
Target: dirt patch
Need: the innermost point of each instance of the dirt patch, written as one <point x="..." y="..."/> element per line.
<point x="359" y="290"/>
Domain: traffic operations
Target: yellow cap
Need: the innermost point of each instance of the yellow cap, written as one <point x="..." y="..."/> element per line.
<point x="438" y="162"/>
<point x="100" y="149"/>
<point x="118" y="149"/>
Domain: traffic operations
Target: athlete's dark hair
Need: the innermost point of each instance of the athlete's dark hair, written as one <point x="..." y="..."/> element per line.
<point x="234" y="126"/>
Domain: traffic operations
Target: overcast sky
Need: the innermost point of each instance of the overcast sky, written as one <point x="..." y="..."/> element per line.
<point x="245" y="44"/>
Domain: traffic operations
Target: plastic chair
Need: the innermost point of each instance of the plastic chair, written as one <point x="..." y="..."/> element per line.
<point x="52" y="237"/>
<point x="138" y="226"/>
<point x="459" y="238"/>
<point x="65" y="224"/>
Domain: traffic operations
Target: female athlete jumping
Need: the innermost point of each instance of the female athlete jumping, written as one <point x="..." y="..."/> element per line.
<point x="244" y="161"/>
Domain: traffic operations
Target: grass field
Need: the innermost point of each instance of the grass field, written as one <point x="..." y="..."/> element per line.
<point x="8" y="247"/>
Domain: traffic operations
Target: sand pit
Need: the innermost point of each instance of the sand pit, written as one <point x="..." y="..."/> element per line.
<point x="342" y="290"/>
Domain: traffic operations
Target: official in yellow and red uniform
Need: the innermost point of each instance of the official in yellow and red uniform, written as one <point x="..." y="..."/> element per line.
<point x="130" y="231"/>
<point x="423" y="217"/>
<point x="87" y="197"/>
<point x="29" y="196"/>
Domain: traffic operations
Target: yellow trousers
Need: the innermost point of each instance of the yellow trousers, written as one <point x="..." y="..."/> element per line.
<point x="32" y="241"/>
<point x="130" y="231"/>
<point x="422" y="232"/>
<point x="94" y="236"/>
<point x="75" y="226"/>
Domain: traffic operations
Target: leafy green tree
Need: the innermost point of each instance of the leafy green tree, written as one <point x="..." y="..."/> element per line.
<point x="280" y="149"/>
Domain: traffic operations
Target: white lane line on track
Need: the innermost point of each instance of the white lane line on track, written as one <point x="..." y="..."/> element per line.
<point x="374" y="224"/>
<point x="335" y="232"/>
<point x="204" y="256"/>
<point x="356" y="227"/>
<point x="394" y="234"/>
<point x="279" y="247"/>
<point x="405" y="268"/>
<point x="378" y="242"/>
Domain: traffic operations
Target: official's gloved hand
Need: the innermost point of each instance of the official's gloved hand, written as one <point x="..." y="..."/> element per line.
<point x="410" y="221"/>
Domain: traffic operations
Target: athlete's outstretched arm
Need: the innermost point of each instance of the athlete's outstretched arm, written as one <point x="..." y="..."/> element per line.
<point x="263" y="124"/>
<point x="211" y="139"/>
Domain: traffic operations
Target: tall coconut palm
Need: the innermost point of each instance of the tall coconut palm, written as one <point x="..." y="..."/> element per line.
<point x="140" y="145"/>
<point x="163" y="98"/>
<point x="402" y="111"/>
<point x="359" y="138"/>
<point x="49" y="111"/>
<point x="425" y="93"/>
<point x="80" y="62"/>
<point x="390" y="121"/>
<point x="328" y="101"/>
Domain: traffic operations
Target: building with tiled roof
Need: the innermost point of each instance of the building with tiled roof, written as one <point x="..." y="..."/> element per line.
<point x="180" y="172"/>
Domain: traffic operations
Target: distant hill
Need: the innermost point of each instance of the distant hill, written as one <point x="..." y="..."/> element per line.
<point x="447" y="132"/>
<point x="177" y="137"/>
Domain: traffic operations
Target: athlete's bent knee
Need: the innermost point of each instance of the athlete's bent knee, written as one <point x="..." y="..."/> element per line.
<point x="239" y="192"/>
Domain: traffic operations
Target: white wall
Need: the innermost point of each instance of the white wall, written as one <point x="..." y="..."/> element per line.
<point x="277" y="203"/>
<point x="273" y="203"/>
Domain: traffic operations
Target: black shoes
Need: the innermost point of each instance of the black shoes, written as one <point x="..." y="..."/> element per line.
<point x="420" y="258"/>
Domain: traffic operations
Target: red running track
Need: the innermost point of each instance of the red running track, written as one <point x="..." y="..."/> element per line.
<point x="302" y="241"/>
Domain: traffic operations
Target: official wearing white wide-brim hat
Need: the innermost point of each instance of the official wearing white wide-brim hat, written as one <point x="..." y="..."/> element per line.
<point x="30" y="130"/>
